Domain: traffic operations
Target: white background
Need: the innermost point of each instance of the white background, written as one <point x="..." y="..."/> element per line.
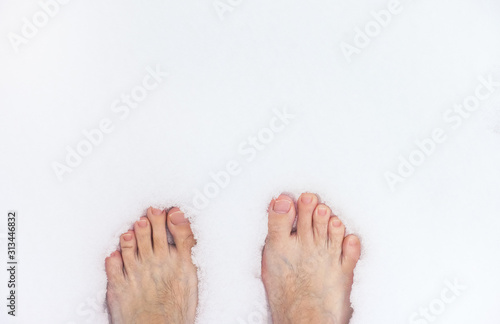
<point x="225" y="77"/>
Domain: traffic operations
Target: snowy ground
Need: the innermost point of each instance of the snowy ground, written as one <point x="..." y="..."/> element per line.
<point x="265" y="96"/>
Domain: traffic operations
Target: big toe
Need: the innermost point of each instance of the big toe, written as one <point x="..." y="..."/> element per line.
<point x="181" y="231"/>
<point x="351" y="251"/>
<point x="281" y="217"/>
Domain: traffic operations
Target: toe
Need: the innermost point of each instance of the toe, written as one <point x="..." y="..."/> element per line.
<point x="181" y="231"/>
<point x="336" y="232"/>
<point x="114" y="269"/>
<point x="142" y="230"/>
<point x="158" y="220"/>
<point x="128" y="246"/>
<point x="281" y="217"/>
<point x="306" y="204"/>
<point x="321" y="216"/>
<point x="351" y="252"/>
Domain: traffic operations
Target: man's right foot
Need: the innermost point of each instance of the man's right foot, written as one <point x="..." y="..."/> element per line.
<point x="308" y="275"/>
<point x="151" y="281"/>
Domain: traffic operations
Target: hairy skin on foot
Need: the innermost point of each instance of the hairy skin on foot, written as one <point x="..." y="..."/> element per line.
<point x="150" y="281"/>
<point x="308" y="274"/>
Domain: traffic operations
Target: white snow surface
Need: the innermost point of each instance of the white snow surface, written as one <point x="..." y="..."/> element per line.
<point x="223" y="80"/>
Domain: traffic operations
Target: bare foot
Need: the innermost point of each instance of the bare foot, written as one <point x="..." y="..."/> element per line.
<point x="308" y="275"/>
<point x="151" y="281"/>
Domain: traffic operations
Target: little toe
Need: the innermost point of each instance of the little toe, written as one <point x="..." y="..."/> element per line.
<point x="351" y="251"/>
<point x="181" y="231"/>
<point x="128" y="246"/>
<point x="281" y="217"/>
<point x="336" y="232"/>
<point x="306" y="205"/>
<point x="321" y="217"/>
<point x="114" y="269"/>
<point x="142" y="230"/>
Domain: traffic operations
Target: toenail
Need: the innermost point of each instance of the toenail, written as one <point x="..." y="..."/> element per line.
<point x="178" y="218"/>
<point x="353" y="242"/>
<point x="156" y="212"/>
<point x="322" y="210"/>
<point x="143" y="223"/>
<point x="306" y="199"/>
<point x="336" y="222"/>
<point x="127" y="237"/>
<point x="282" y="206"/>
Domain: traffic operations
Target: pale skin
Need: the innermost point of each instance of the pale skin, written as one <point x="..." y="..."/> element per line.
<point x="307" y="273"/>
